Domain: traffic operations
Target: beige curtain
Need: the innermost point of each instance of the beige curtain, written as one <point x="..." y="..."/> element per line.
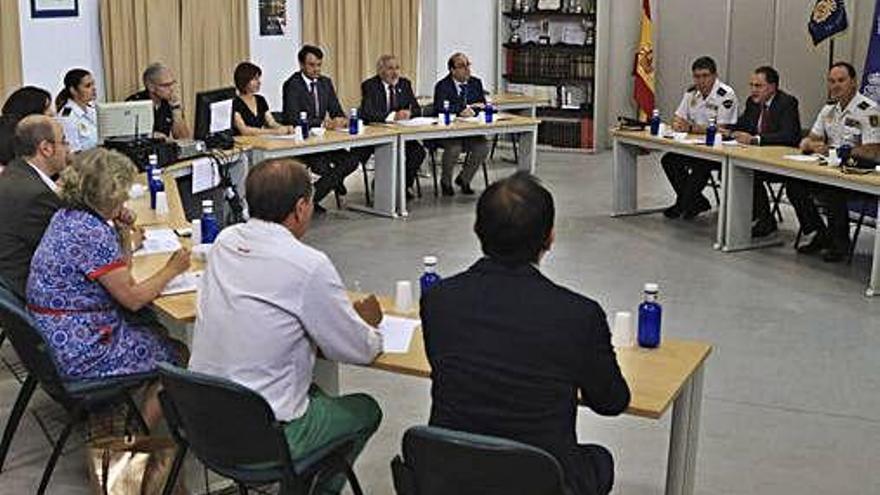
<point x="10" y="48"/>
<point x="200" y="40"/>
<point x="214" y="42"/>
<point x="353" y="33"/>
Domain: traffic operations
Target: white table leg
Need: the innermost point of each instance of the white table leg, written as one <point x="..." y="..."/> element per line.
<point x="738" y="210"/>
<point x="874" y="285"/>
<point x="386" y="193"/>
<point x="722" y="208"/>
<point x="681" y="463"/>
<point x="624" y="179"/>
<point x="326" y="376"/>
<point x="528" y="151"/>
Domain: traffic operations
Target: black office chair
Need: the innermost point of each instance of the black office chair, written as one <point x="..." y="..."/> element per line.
<point x="437" y="461"/>
<point x="432" y="147"/>
<point x="233" y="431"/>
<point x="78" y="398"/>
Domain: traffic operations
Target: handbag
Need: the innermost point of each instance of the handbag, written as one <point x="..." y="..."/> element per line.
<point x="126" y="465"/>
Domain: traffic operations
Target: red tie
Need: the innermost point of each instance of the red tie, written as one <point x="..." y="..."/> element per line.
<point x="764" y="126"/>
<point x="392" y="99"/>
<point x="314" y="90"/>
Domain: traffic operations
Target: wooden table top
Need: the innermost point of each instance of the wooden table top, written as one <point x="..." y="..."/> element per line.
<point x="458" y="124"/>
<point x="774" y="156"/>
<point x="147" y="217"/>
<point x="270" y="143"/>
<point x="646" y="137"/>
<point x="500" y="100"/>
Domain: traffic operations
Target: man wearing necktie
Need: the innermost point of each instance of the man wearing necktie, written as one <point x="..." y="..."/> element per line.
<point x="771" y="118"/>
<point x="385" y="98"/>
<point x="308" y="91"/>
<point x="465" y="95"/>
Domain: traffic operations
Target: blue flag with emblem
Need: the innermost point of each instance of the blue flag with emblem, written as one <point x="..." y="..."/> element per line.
<point x="827" y="19"/>
<point x="871" y="77"/>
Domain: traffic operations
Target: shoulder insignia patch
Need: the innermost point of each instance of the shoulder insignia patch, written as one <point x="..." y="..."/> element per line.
<point x="874" y="120"/>
<point x="65" y="112"/>
<point x="721" y="91"/>
<point x="728" y="104"/>
<point x="864" y="105"/>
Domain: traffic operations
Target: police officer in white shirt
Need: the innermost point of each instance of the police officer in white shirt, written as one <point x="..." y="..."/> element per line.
<point x="76" y="109"/>
<point x="707" y="99"/>
<point x="851" y="118"/>
<point x="268" y="303"/>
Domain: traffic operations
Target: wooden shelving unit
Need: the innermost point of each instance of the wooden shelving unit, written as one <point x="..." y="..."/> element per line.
<point x="558" y="55"/>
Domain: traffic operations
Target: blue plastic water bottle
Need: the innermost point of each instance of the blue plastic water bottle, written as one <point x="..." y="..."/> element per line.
<point x="650" y="313"/>
<point x="155" y="184"/>
<point x="210" y="226"/>
<point x="447" y="118"/>
<point x="655" y="122"/>
<point x="304" y="124"/>
<point x="711" y="130"/>
<point x="843" y="153"/>
<point x="353" y="122"/>
<point x="490" y="112"/>
<point x="430" y="276"/>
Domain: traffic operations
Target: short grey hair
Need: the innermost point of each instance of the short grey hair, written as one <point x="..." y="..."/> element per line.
<point x="151" y="73"/>
<point x="382" y="61"/>
<point x="31" y="131"/>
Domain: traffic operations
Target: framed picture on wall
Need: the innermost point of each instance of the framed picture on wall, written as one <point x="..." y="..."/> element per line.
<point x="54" y="8"/>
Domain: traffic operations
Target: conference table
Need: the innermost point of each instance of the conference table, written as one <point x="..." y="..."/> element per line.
<point x="669" y="376"/>
<point x="505" y="102"/>
<point x="738" y="166"/>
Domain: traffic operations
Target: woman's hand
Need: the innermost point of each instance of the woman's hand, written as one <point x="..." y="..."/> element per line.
<point x="179" y="262"/>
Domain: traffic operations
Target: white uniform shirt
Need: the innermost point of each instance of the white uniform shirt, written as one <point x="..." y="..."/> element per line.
<point x="858" y="123"/>
<point x="80" y="126"/>
<point x="266" y="305"/>
<point x="720" y="103"/>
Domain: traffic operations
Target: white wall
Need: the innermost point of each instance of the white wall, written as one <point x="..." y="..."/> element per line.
<point x="276" y="55"/>
<point x="50" y="47"/>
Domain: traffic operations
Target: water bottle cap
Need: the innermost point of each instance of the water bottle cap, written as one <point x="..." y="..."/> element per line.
<point x="652" y="288"/>
<point x="656" y="111"/>
<point x="153" y="158"/>
<point x="445" y="103"/>
<point x="354" y="111"/>
<point x="303" y="115"/>
<point x="430" y="260"/>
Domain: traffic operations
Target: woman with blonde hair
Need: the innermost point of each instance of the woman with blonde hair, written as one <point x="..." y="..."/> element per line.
<point x="80" y="282"/>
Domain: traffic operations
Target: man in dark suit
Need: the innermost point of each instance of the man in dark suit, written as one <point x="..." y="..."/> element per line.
<point x="511" y="351"/>
<point x="27" y="195"/>
<point x="161" y="87"/>
<point x="465" y="95"/>
<point x="771" y="118"/>
<point x="308" y="91"/>
<point x="387" y="97"/>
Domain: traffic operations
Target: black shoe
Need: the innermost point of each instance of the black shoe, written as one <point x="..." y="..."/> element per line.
<point x="341" y="189"/>
<point x="672" y="212"/>
<point x="818" y="243"/>
<point x="465" y="188"/>
<point x="764" y="227"/>
<point x="700" y="205"/>
<point x="320" y="210"/>
<point x="409" y="195"/>
<point x="833" y="255"/>
<point x="447" y="189"/>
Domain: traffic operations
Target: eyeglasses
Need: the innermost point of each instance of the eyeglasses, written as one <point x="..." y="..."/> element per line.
<point x="462" y="66"/>
<point x="167" y="84"/>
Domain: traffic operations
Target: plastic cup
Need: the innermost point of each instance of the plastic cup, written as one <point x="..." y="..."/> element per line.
<point x="403" y="296"/>
<point x="623" y="331"/>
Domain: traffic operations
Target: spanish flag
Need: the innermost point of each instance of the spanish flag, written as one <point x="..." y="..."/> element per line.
<point x="644" y="66"/>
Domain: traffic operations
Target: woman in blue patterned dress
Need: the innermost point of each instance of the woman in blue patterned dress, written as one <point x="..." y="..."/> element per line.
<point x="80" y="280"/>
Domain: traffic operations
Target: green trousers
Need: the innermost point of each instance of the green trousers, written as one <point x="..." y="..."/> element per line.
<point x="329" y="418"/>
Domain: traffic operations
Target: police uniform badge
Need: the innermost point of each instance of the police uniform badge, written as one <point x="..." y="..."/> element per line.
<point x="852" y="123"/>
<point x="728" y="104"/>
<point x="874" y="120"/>
<point x="864" y="105"/>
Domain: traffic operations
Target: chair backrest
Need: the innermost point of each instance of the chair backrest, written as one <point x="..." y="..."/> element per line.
<point x="229" y="427"/>
<point x="441" y="461"/>
<point x="32" y="349"/>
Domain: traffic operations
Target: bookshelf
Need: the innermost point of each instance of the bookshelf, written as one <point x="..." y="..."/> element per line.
<point x="557" y="54"/>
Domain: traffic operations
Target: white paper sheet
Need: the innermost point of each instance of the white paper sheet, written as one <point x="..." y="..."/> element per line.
<point x="417" y="121"/>
<point x="802" y="158"/>
<point x="205" y="175"/>
<point x="221" y="116"/>
<point x="185" y="282"/>
<point x="397" y="333"/>
<point x="158" y="241"/>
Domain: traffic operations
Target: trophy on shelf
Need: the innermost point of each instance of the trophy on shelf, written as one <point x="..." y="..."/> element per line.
<point x="514" y="25"/>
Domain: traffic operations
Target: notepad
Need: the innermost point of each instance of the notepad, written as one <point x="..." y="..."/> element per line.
<point x="158" y="241"/>
<point x="397" y="333"/>
<point x="802" y="158"/>
<point x="416" y="121"/>
<point x="185" y="282"/>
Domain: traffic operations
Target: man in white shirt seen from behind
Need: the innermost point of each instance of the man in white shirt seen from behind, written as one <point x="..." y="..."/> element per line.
<point x="268" y="303"/>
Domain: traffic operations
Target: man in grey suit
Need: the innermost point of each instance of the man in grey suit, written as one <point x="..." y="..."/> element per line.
<point x="27" y="195"/>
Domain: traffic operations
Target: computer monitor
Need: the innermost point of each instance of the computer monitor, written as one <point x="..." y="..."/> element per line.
<point x="214" y="117"/>
<point x="132" y="119"/>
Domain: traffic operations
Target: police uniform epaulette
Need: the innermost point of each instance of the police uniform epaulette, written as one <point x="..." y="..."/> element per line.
<point x="864" y="105"/>
<point x="829" y="101"/>
<point x="65" y="112"/>
<point x="721" y="91"/>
